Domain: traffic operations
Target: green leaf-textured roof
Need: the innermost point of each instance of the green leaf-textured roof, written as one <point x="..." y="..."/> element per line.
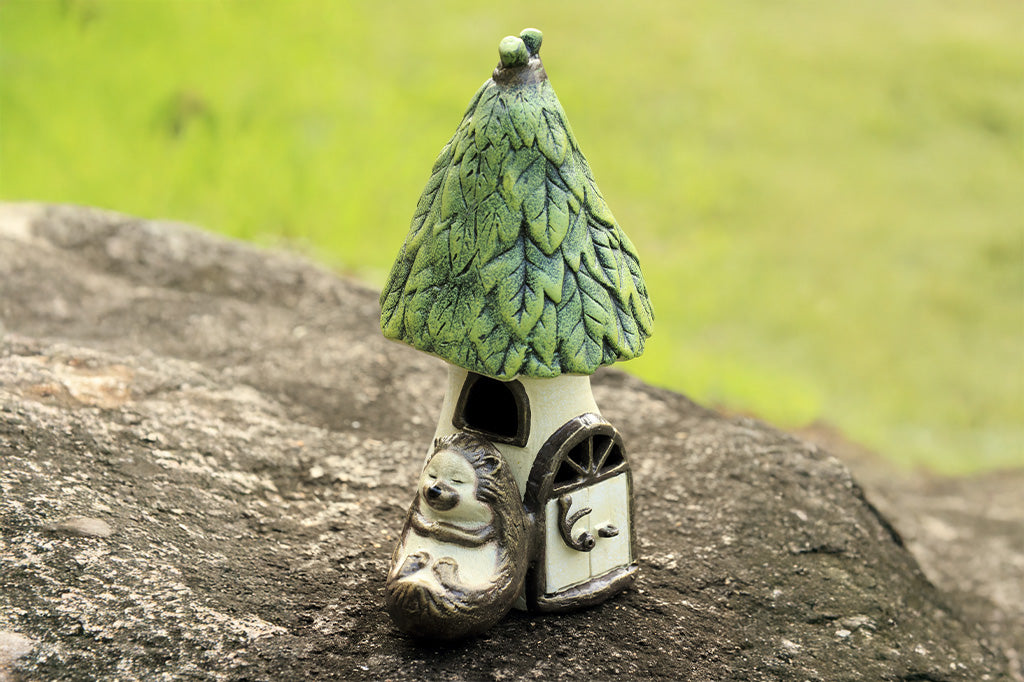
<point x="513" y="264"/>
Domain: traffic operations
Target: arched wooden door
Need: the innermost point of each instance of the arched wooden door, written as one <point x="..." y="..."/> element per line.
<point x="580" y="493"/>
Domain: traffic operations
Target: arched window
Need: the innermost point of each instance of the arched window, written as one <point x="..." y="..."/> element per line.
<point x="497" y="410"/>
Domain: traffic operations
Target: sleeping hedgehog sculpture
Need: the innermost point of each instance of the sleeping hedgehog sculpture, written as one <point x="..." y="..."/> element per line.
<point x="459" y="567"/>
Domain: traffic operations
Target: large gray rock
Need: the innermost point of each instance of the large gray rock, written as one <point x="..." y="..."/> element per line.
<point x="208" y="450"/>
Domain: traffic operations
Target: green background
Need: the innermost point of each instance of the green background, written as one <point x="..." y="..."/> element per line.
<point x="827" y="198"/>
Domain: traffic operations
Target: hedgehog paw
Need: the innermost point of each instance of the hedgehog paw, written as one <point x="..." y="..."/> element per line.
<point x="447" y="571"/>
<point x="413" y="562"/>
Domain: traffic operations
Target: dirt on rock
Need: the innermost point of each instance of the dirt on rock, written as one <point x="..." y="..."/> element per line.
<point x="207" y="452"/>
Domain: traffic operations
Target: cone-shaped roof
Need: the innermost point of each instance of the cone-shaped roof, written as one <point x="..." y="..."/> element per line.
<point x="513" y="264"/>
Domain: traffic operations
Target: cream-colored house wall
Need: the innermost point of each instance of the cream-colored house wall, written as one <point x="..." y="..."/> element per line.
<point x="553" y="402"/>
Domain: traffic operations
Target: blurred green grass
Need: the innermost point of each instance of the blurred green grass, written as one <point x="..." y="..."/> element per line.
<point x="828" y="198"/>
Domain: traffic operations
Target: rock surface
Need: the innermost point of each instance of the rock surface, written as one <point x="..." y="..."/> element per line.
<point x="208" y="450"/>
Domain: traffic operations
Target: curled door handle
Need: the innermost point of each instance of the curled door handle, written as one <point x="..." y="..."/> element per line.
<point x="585" y="542"/>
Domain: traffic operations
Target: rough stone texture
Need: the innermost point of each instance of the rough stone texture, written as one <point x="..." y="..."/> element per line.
<point x="968" y="536"/>
<point x="249" y="442"/>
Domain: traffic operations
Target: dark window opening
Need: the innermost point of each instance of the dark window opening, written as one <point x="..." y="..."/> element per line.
<point x="497" y="410"/>
<point x="582" y="456"/>
<point x="570" y="470"/>
<point x="588" y="459"/>
<point x="491" y="408"/>
<point x="614" y="457"/>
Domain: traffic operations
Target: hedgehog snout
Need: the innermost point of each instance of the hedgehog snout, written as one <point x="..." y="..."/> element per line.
<point x="441" y="496"/>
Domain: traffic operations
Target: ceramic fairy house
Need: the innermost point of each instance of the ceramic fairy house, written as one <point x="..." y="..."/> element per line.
<point x="515" y="273"/>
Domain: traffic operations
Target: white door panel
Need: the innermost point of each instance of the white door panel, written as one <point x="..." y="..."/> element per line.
<point x="563" y="564"/>
<point x="610" y="503"/>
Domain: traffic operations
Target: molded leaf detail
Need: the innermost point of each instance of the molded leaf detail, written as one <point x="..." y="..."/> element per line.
<point x="513" y="263"/>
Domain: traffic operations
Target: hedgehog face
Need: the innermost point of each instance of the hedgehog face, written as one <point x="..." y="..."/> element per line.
<point x="448" y="486"/>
